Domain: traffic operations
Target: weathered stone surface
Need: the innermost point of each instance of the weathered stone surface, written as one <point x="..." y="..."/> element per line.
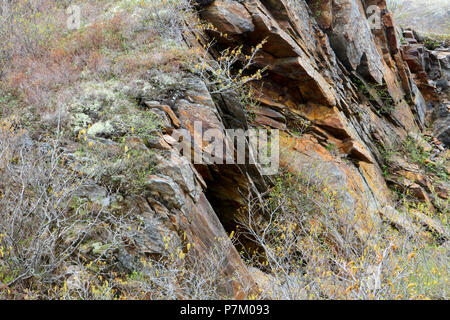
<point x="326" y="117"/>
<point x="418" y="192"/>
<point x="95" y="193"/>
<point x="291" y="59"/>
<point x="268" y="113"/>
<point x="228" y="17"/>
<point x="440" y="231"/>
<point x="182" y="172"/>
<point x="168" y="110"/>
<point x="323" y="12"/>
<point x="356" y="187"/>
<point x="344" y="97"/>
<point x="302" y="63"/>
<point x="351" y="39"/>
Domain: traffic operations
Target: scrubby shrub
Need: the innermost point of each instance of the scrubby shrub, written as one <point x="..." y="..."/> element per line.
<point x="310" y="246"/>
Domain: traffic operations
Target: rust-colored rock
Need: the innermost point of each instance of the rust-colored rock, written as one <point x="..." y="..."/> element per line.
<point x="228" y="16"/>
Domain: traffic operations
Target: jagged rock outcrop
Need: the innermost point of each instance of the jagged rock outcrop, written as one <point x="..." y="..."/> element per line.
<point x="320" y="57"/>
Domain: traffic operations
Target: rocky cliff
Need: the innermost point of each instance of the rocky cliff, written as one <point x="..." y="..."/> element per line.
<point x="350" y="93"/>
<point x="430" y="16"/>
<point x="360" y="88"/>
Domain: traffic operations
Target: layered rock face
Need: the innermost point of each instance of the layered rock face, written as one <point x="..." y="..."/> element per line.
<point x="356" y="111"/>
<point x="431" y="71"/>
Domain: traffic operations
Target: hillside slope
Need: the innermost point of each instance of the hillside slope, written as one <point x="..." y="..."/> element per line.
<point x="99" y="200"/>
<point x="429" y="16"/>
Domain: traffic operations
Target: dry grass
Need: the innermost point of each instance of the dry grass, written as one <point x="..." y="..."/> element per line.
<point x="309" y="246"/>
